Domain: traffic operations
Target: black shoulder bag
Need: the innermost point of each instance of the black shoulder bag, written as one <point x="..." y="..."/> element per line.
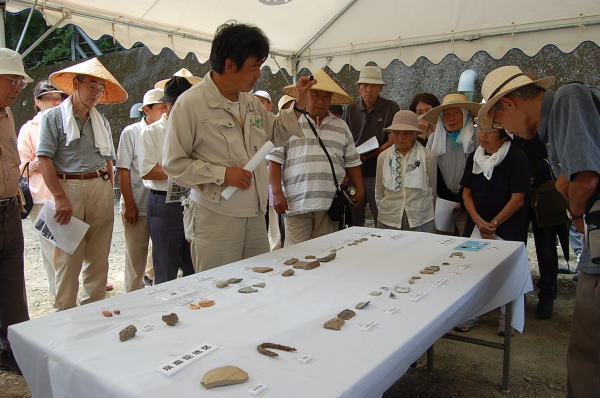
<point x="341" y="206"/>
<point x="27" y="199"/>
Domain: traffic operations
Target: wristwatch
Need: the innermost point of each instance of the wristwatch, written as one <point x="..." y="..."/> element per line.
<point x="573" y="217"/>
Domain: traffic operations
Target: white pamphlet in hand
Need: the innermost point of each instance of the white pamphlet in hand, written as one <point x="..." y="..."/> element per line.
<point x="368" y="146"/>
<point x="252" y="164"/>
<point x="66" y="237"/>
<point x="444" y="215"/>
<point x="175" y="192"/>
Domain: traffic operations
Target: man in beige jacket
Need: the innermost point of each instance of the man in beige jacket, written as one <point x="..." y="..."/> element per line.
<point x="214" y="129"/>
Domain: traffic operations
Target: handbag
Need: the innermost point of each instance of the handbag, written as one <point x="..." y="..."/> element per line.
<point x="548" y="205"/>
<point x="341" y="206"/>
<point x="25" y="193"/>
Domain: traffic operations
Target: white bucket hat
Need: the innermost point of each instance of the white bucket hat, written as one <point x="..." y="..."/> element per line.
<point x="152" y="96"/>
<point x="371" y="75"/>
<point x="263" y="94"/>
<point x="284" y="100"/>
<point x="11" y="63"/>
<point x="500" y="82"/>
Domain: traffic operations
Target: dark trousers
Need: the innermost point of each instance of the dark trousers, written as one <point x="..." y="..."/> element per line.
<point x="13" y="301"/>
<point x="170" y="249"/>
<point x="358" y="213"/>
<point x="545" y="248"/>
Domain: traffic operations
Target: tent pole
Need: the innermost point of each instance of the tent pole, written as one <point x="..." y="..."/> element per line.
<point x="26" y="26"/>
<point x="89" y="41"/>
<point x="46" y="34"/>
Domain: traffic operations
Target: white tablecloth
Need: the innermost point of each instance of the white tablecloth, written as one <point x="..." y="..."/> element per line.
<point x="77" y="353"/>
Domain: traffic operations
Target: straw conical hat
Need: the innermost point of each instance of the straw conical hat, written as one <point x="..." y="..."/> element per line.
<point x="324" y="83"/>
<point x="451" y="101"/>
<point x="114" y="93"/>
<point x="180" y="73"/>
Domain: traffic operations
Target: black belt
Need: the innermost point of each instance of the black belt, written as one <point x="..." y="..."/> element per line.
<point x="163" y="193"/>
<point x="4" y="203"/>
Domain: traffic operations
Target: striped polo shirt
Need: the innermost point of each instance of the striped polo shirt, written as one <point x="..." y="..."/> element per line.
<point x="306" y="174"/>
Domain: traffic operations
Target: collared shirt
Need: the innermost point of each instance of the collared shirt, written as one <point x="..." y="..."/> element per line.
<point x="127" y="158"/>
<point x="151" y="152"/>
<point x="416" y="203"/>
<point x="204" y="138"/>
<point x="9" y="156"/>
<point x="27" y="144"/>
<point x="81" y="156"/>
<point x="570" y="128"/>
<point x="365" y="124"/>
<point x="306" y="173"/>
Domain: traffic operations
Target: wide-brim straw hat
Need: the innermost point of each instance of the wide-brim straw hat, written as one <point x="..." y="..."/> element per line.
<point x="324" y="83"/>
<point x="11" y="63"/>
<point x="114" y="93"/>
<point x="455" y="100"/>
<point x="502" y="81"/>
<point x="371" y="74"/>
<point x="404" y="121"/>
<point x="180" y="73"/>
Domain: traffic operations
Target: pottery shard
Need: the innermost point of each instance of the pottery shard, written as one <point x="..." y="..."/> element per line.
<point x="248" y="289"/>
<point x="261" y="285"/>
<point x="427" y="271"/>
<point x="222" y="284"/>
<point x="306" y="265"/>
<point x="287" y="272"/>
<point x="327" y="258"/>
<point x="234" y="280"/>
<point x="375" y="293"/>
<point x="310" y="257"/>
<point x="117" y="312"/>
<point x="262" y="348"/>
<point x="346" y="314"/>
<point x="334" y="324"/>
<point x="361" y="305"/>
<point x="170" y="319"/>
<point x="262" y="270"/>
<point x="224" y="376"/>
<point x="206" y="303"/>
<point x="127" y="333"/>
<point x="107" y="314"/>
<point x="291" y="261"/>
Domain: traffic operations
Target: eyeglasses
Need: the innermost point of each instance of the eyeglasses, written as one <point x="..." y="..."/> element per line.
<point x="18" y="82"/>
<point x="96" y="87"/>
<point x="51" y="97"/>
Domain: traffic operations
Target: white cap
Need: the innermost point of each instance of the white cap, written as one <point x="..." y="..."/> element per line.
<point x="11" y="63"/>
<point x="263" y="94"/>
<point x="284" y="100"/>
<point x="152" y="97"/>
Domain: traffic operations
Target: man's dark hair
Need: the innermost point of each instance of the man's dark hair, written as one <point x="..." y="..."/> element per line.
<point x="237" y="42"/>
<point x="426" y="98"/>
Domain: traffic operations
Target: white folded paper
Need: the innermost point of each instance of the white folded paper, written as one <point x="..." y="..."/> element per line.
<point x="368" y="146"/>
<point x="67" y="237"/>
<point x="250" y="166"/>
<point x="444" y="215"/>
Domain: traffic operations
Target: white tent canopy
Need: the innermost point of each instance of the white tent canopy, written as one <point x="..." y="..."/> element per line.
<point x="316" y="33"/>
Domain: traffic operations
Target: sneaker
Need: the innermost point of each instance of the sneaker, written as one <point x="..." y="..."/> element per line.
<point x="8" y="362"/>
<point x="467" y="325"/>
<point x="148" y="282"/>
<point x="544" y="308"/>
<point x="502" y="325"/>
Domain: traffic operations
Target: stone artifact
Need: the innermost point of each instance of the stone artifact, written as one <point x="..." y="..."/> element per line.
<point x="170" y="319"/>
<point x="361" y="305"/>
<point x="262" y="348"/>
<point x="306" y="265"/>
<point x="427" y="271"/>
<point x="401" y="289"/>
<point x="194" y="306"/>
<point x="287" y="272"/>
<point x="107" y="314"/>
<point x="202" y="304"/>
<point x="248" y="289"/>
<point x="334" y="324"/>
<point x="127" y="333"/>
<point x="234" y="280"/>
<point x="392" y="295"/>
<point x="433" y="268"/>
<point x="413" y="279"/>
<point x="261" y="285"/>
<point x="375" y="293"/>
<point x="224" y="376"/>
<point x="363" y="239"/>
<point x="457" y="254"/>
<point x="262" y="270"/>
<point x="346" y="314"/>
<point x="117" y="312"/>
<point x="291" y="261"/>
<point x="310" y="257"/>
<point x="327" y="258"/>
<point x="445" y="263"/>
<point x="222" y="284"/>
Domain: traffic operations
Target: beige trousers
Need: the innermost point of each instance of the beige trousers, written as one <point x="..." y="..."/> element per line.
<point x="47" y="251"/>
<point x="274" y="235"/>
<point x="92" y="202"/>
<point x="302" y="227"/>
<point x="217" y="239"/>
<point x="137" y="239"/>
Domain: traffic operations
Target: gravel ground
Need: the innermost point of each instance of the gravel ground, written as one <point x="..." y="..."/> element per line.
<point x="460" y="370"/>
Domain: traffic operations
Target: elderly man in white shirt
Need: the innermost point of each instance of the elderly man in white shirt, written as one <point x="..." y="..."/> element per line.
<point x="406" y="178"/>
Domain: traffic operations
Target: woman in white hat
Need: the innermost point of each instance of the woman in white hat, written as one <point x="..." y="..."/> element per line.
<point x="45" y="96"/>
<point x="405" y="185"/>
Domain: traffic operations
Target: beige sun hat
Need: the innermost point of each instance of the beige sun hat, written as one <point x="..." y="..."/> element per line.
<point x="114" y="93"/>
<point x="11" y="63"/>
<point x="324" y="83"/>
<point x="371" y="75"/>
<point x="180" y="73"/>
<point x="152" y="96"/>
<point x="284" y="100"/>
<point x="404" y="121"/>
<point x="502" y="81"/>
<point x="454" y="100"/>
